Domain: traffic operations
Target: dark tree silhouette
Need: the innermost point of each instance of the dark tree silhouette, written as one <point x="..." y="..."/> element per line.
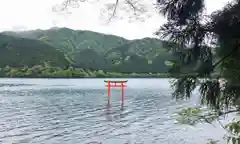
<point x="208" y="48"/>
<point x="198" y="37"/>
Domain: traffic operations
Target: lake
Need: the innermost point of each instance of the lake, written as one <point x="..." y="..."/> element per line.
<point x="75" y="111"/>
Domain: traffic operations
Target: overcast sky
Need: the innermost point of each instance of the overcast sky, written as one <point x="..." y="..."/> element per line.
<point x="37" y="14"/>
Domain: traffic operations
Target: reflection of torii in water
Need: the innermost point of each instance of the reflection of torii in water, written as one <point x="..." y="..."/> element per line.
<point x="109" y="115"/>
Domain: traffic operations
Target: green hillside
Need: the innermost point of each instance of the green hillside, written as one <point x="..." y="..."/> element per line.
<point x="93" y="50"/>
<point x="72" y="41"/>
<point x="20" y="52"/>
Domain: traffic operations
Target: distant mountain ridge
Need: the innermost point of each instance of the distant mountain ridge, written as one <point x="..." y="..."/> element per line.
<point x="101" y="51"/>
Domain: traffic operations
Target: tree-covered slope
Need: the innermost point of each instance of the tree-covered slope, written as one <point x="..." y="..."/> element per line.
<point x="72" y="41"/>
<point x="19" y="52"/>
<point x="100" y="51"/>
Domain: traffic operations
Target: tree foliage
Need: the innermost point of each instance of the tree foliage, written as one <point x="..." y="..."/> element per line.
<point x="198" y="37"/>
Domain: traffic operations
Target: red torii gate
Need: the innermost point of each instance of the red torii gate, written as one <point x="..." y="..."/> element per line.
<point x="115" y="84"/>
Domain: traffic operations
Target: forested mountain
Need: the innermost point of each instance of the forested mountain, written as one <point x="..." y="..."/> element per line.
<point x="93" y="50"/>
<point x="20" y="52"/>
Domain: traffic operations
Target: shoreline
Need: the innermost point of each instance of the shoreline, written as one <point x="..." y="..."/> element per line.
<point x="48" y="72"/>
<point x="84" y="77"/>
<point x="137" y="77"/>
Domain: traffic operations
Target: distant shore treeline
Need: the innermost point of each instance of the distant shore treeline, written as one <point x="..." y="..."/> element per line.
<point x="40" y="71"/>
<point x="46" y="71"/>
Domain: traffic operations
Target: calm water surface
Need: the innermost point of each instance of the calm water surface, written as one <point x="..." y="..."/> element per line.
<point x="74" y="111"/>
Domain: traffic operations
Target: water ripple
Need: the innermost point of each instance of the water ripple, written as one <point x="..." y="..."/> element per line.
<point x="58" y="113"/>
